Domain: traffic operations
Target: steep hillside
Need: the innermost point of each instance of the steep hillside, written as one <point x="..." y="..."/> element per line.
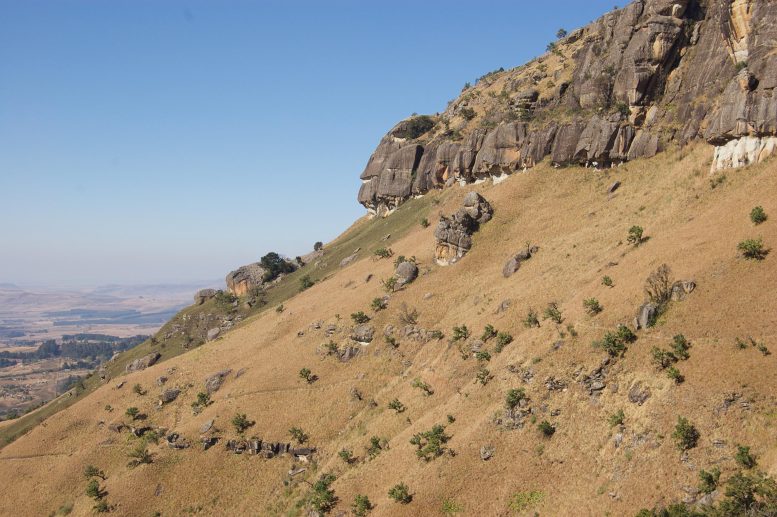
<point x="586" y="467"/>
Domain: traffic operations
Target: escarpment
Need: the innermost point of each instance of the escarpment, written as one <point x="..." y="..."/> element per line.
<point x="653" y="74"/>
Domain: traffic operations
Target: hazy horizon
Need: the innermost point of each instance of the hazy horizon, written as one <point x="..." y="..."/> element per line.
<point x="149" y="142"/>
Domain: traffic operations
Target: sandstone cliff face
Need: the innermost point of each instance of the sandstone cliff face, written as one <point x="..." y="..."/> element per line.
<point x="245" y="278"/>
<point x="653" y="74"/>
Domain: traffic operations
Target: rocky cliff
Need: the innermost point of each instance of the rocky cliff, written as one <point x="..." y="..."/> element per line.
<point x="653" y="74"/>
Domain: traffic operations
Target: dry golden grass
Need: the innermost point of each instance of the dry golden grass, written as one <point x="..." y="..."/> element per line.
<point x="580" y="230"/>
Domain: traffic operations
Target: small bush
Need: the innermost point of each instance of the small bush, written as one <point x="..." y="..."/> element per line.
<point x="425" y="223"/>
<point x="531" y="320"/>
<point x="522" y="501"/>
<point x="685" y="434"/>
<point x="744" y="458"/>
<point x="240" y="422"/>
<point x="662" y="359"/>
<point x="101" y="506"/>
<point x="383" y="253"/>
<point x="408" y="315"/>
<point x="467" y="113"/>
<point x="139" y="456"/>
<point x="397" y="406"/>
<point x="658" y="286"/>
<point x="132" y="412"/>
<point x="378" y="304"/>
<point x="708" y="481"/>
<point x="488" y="332"/>
<point x="753" y="249"/>
<point x="483" y="355"/>
<point x="346" y="455"/>
<point x="592" y="306"/>
<point x="614" y="343"/>
<point x="360" y="318"/>
<point x="279" y="309"/>
<point x="430" y="444"/>
<point x="680" y="346"/>
<point x="717" y="181"/>
<point x="400" y="493"/>
<point x="546" y="428"/>
<point x="306" y="375"/>
<point x="562" y="33"/>
<point x="305" y="283"/>
<point x="391" y="341"/>
<point x="514" y="397"/>
<point x="617" y="418"/>
<point x="552" y="312"/>
<point x="361" y="505"/>
<point x="758" y="215"/>
<point x="323" y="498"/>
<point x="137" y="389"/>
<point x="635" y="236"/>
<point x="331" y="348"/>
<point x="318" y="246"/>
<point x="90" y="471"/>
<point x="93" y="489"/>
<point x="483" y="376"/>
<point x="607" y="281"/>
<point x="375" y="447"/>
<point x="436" y="334"/>
<point x="460" y="333"/>
<point x="389" y="284"/>
<point x="421" y="385"/>
<point x="299" y="435"/>
<point x="502" y="340"/>
<point x="674" y="374"/>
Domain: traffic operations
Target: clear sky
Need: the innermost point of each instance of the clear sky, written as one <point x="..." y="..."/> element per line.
<point x="167" y="140"/>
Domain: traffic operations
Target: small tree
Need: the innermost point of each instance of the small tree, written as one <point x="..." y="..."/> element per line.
<point x="483" y="376"/>
<point x="607" y="281"/>
<point x="658" y="286"/>
<point x="546" y="428"/>
<point x="346" y="455"/>
<point x="375" y="447"/>
<point x="460" y="333"/>
<point x="708" y="481"/>
<point x="389" y="284"/>
<point x="318" y="246"/>
<point x="306" y="375"/>
<point x="132" y="412"/>
<point x="488" y="332"/>
<point x="685" y="434"/>
<point x="552" y="312"/>
<point x="361" y="505"/>
<point x="635" y="236"/>
<point x="674" y="374"/>
<point x="378" y="304"/>
<point x="430" y="444"/>
<point x="298" y="434"/>
<point x="744" y="458"/>
<point x="592" y="306"/>
<point x="758" y="215"/>
<point x="139" y="456"/>
<point x="323" y="498"/>
<point x="240" y="422"/>
<point x="531" y="319"/>
<point x="397" y="406"/>
<point x="90" y="471"/>
<point x="93" y="489"/>
<point x="502" y="340"/>
<point x="408" y="315"/>
<point x="514" y="397"/>
<point x="561" y="34"/>
<point x="400" y="493"/>
<point x="753" y="249"/>
<point x="137" y="389"/>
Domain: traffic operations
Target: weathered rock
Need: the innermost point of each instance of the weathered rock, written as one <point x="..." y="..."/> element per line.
<point x="615" y="186"/>
<point x="453" y="235"/>
<point x="638" y="394"/>
<point x="363" y="333"/>
<point x="161" y="380"/>
<point x="143" y="362"/>
<point x="486" y="452"/>
<point x="214" y="381"/>
<point x="245" y="278"/>
<point x="646" y="315"/>
<point x="169" y="395"/>
<point x="203" y="295"/>
<point x="348" y="260"/>
<point x="514" y="264"/>
<point x="207" y="426"/>
<point x="213" y="333"/>
<point x="406" y="273"/>
<point x="681" y="288"/>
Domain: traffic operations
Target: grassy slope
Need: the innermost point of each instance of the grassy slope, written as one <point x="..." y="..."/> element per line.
<point x="579" y="471"/>
<point x="362" y="234"/>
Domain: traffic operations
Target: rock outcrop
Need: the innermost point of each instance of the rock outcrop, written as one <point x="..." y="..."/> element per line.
<point x="453" y="236"/>
<point x="245" y="278"/>
<point x="514" y="264"/>
<point x="652" y="73"/>
<point x="406" y="273"/>
<point x="143" y="362"/>
<point x="203" y="295"/>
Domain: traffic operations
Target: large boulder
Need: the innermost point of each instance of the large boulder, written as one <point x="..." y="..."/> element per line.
<point x="646" y="315"/>
<point x="203" y="295"/>
<point x="681" y="289"/>
<point x="405" y="273"/>
<point x="245" y="278"/>
<point x="214" y="381"/>
<point x="514" y="264"/>
<point x="363" y="333"/>
<point x="169" y="395"/>
<point x="143" y="362"/>
<point x="453" y="235"/>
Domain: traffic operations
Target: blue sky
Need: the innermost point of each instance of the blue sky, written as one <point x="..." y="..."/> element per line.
<point x="162" y="140"/>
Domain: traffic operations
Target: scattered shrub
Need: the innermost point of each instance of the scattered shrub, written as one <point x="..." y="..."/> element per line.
<point x="522" y="501"/>
<point x="389" y="284"/>
<point x="375" y="447"/>
<point x="661" y="358"/>
<point x="758" y="215"/>
<point x="430" y="444"/>
<point x="425" y="223"/>
<point x="744" y="458"/>
<point x="318" y="246"/>
<point x="467" y="113"/>
<point x="279" y="309"/>
<point x="132" y="412"/>
<point x="391" y="341"/>
<point x="617" y="418"/>
<point x="674" y="374"/>
<point x="299" y="435"/>
<point x="685" y="434"/>
<point x="306" y="375"/>
<point x="658" y="286"/>
<point x="483" y="376"/>
<point x="708" y="481"/>
<point x="360" y="318"/>
<point x="93" y="489"/>
<point x="421" y="385"/>
<point x="436" y="334"/>
<point x="139" y="455"/>
<point x="502" y="340"/>
<point x="514" y="397"/>
<point x="331" y="348"/>
<point x="607" y="281"/>
<point x="753" y="249"/>
<point x="546" y="428"/>
<point x="400" y="493"/>
<point x="101" y="506"/>
<point x="717" y="181"/>
<point x="274" y="265"/>
<point x="383" y="253"/>
<point x="488" y="332"/>
<point x="592" y="306"/>
<point x="323" y="498"/>
<point x="483" y="355"/>
<point x="451" y="507"/>
<point x="305" y="283"/>
<point x="138" y="390"/>
<point x="397" y="406"/>
<point x="460" y="333"/>
<point x="531" y="319"/>
<point x="361" y="505"/>
<point x="553" y="313"/>
<point x="415" y="127"/>
<point x="614" y="343"/>
<point x="408" y="315"/>
<point x="378" y="304"/>
<point x="90" y="471"/>
<point x="346" y="455"/>
<point x="562" y="33"/>
<point x="240" y="422"/>
<point x="635" y="236"/>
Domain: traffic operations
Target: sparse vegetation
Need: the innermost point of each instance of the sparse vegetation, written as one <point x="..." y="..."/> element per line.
<point x="635" y="236"/>
<point x="615" y="343"/>
<point x="400" y="493"/>
<point x="376" y="446"/>
<point x="561" y="33"/>
<point x="592" y="306"/>
<point x="430" y="444"/>
<point x="397" y="406"/>
<point x="241" y="423"/>
<point x="483" y="376"/>
<point x="685" y="434"/>
<point x="744" y="457"/>
<point x="305" y="283"/>
<point x="421" y="385"/>
<point x="708" y="480"/>
<point x="451" y="507"/>
<point x="346" y="455"/>
<point x="139" y="456"/>
<point x="132" y="412"/>
<point x="359" y="317"/>
<point x="531" y="320"/>
<point x="617" y="418"/>
<point x="483" y="356"/>
<point x="553" y="313"/>
<point x="389" y="284"/>
<point x="306" y="375"/>
<point x="90" y="471"/>
<point x="408" y="315"/>
<point x="383" y="253"/>
<point x="361" y="505"/>
<point x="658" y="286"/>
<point x="425" y="223"/>
<point x="514" y="397"/>
<point x="323" y="498"/>
<point x="318" y="246"/>
<point x="753" y="249"/>
<point x="460" y="333"/>
<point x="674" y="374"/>
<point x="378" y="304"/>
<point x="299" y="435"/>
<point x="488" y="332"/>
<point x="502" y="340"/>
<point x="607" y="281"/>
<point x="717" y="181"/>
<point x="546" y="428"/>
<point x="137" y="389"/>
<point x="522" y="501"/>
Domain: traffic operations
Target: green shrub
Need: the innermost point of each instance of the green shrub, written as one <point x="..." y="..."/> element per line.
<point x="617" y="418"/>
<point x="361" y="505"/>
<point x="483" y="376"/>
<point x="522" y="501"/>
<point x="418" y="383"/>
<point x="744" y="458"/>
<point x="467" y="113"/>
<point x="346" y="455"/>
<point x="635" y="236"/>
<point x="397" y="406"/>
<point x="415" y="127"/>
<point x="90" y="471"/>
<point x="383" y="252"/>
<point x="483" y="355"/>
<point x="680" y="347"/>
<point x="488" y="332"/>
<point x="306" y="375"/>
<point x="101" y="506"/>
<point x="546" y="428"/>
<point x="674" y="374"/>
<point x="460" y="333"/>
<point x="137" y="389"/>
<point x="685" y="434"/>
<point x="502" y="340"/>
<point x="359" y="317"/>
<point x="425" y="223"/>
<point x="376" y="446"/>
<point x="378" y="304"/>
<point x="614" y="343"/>
<point x="299" y="435"/>
<point x="753" y="249"/>
<point x="430" y="444"/>
<point x="331" y="348"/>
<point x="391" y="341"/>
<point x="318" y="246"/>
<point x="758" y="216"/>
<point x="389" y="284"/>
<point x="139" y="456"/>
<point x="717" y="181"/>
<point x="562" y="33"/>
<point x="306" y="283"/>
<point x="93" y="489"/>
<point x="708" y="481"/>
<point x="240" y="422"/>
<point x="658" y="285"/>
<point x="514" y="397"/>
<point x="531" y="319"/>
<point x="553" y="313"/>
<point x="592" y="306"/>
<point x="400" y="493"/>
<point x="607" y="281"/>
<point x="436" y="334"/>
<point x="132" y="412"/>
<point x="323" y="498"/>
